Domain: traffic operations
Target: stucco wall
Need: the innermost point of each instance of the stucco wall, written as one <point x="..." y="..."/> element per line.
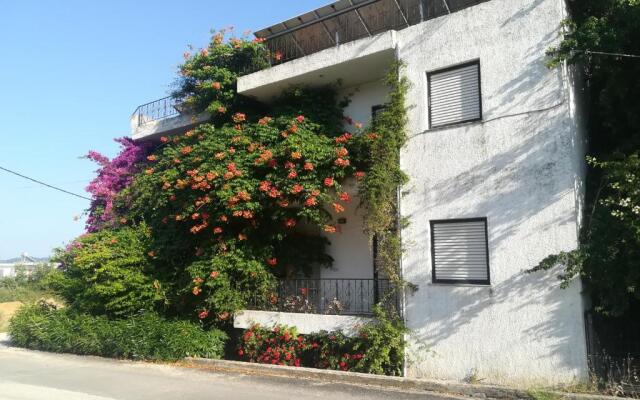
<point x="304" y="323"/>
<point x="520" y="168"/>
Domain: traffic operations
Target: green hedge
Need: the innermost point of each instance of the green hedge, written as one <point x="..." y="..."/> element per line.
<point x="142" y="337"/>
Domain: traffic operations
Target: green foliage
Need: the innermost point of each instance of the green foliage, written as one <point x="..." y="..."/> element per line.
<point x="24" y="287"/>
<point x="140" y="337"/>
<point x="378" y="348"/>
<point x="610" y="241"/>
<point x="379" y="154"/>
<point x="107" y="273"/>
<point x="208" y="78"/>
<point x="609" y="257"/>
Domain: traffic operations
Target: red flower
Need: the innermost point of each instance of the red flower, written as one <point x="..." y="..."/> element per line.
<point x="214" y="274"/>
<point x="216" y="85"/>
<point x="186" y="150"/>
<point x="289" y="165"/>
<point x="239" y="117"/>
<point x="290" y="223"/>
<point x="217" y="230"/>
<point x="344" y="196"/>
<point x="196" y="291"/>
<point x="297" y="189"/>
<point x="310" y="202"/>
<point x="300" y="118"/>
<point x="292" y="174"/>
<point x="164" y="139"/>
<point x="223" y="315"/>
<point x="203" y="314"/>
<point x="308" y="166"/>
<point x="330" y="229"/>
<point x="359" y="175"/>
<point x="272" y="261"/>
<point x="304" y="291"/>
<point x="240" y="352"/>
<point x="264" y="186"/>
<point x="338" y="207"/>
<point x="152" y="157"/>
<point x="296" y="362"/>
<point x="341" y="152"/>
<point x="328" y="182"/>
<point x="341" y="162"/>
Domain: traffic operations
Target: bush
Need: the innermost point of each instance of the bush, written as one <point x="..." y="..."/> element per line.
<point x="377" y="349"/>
<point x="141" y="337"/>
<point x="107" y="273"/>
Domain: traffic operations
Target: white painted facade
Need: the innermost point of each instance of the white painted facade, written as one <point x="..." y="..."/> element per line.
<point x="521" y="167"/>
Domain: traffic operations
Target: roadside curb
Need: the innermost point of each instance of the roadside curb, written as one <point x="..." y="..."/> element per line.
<point x="389" y="382"/>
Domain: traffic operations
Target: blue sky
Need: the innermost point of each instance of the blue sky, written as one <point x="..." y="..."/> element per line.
<point x="71" y="74"/>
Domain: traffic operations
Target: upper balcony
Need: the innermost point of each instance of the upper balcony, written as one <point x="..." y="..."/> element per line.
<point x="352" y="41"/>
<point x="162" y="117"/>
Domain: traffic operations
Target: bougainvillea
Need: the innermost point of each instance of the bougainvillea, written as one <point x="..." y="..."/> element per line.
<point x="249" y="196"/>
<point x="112" y="177"/>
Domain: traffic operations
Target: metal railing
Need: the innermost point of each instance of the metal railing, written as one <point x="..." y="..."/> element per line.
<point x="366" y="18"/>
<point x="166" y="107"/>
<point x="327" y="296"/>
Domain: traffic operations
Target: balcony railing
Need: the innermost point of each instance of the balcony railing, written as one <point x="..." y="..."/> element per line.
<point x="166" y="107"/>
<point x="348" y="20"/>
<point x="327" y="296"/>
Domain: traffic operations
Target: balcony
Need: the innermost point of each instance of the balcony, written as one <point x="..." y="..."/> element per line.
<point x="319" y="304"/>
<point x="162" y="117"/>
<point x="353" y="41"/>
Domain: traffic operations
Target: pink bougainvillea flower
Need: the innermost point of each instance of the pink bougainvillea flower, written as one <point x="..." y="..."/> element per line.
<point x="292" y="175"/>
<point x="344" y="196"/>
<point x="272" y="261"/>
<point x="203" y="314"/>
<point x="310" y="202"/>
<point x="300" y="118"/>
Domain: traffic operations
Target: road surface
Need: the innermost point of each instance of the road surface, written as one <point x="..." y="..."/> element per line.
<point x="31" y="375"/>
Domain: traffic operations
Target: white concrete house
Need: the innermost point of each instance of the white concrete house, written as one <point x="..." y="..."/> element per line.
<point x="495" y="158"/>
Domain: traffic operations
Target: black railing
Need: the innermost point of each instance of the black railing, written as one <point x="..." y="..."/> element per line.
<point x="156" y="110"/>
<point x="314" y="32"/>
<point x="327" y="296"/>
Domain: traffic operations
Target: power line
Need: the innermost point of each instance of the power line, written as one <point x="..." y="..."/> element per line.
<point x="44" y="184"/>
<point x="604" y="53"/>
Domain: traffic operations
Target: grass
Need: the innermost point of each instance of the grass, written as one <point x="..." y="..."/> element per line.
<point x="7" y="310"/>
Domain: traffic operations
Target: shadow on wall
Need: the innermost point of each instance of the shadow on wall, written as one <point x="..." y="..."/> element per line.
<point x="512" y="187"/>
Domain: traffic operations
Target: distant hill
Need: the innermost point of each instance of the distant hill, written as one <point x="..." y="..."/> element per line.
<point x="19" y="259"/>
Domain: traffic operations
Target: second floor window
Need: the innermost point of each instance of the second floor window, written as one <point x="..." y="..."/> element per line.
<point x="454" y="95"/>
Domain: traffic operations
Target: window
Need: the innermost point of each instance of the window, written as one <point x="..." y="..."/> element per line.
<point x="454" y="95"/>
<point x="375" y="110"/>
<point x="459" y="251"/>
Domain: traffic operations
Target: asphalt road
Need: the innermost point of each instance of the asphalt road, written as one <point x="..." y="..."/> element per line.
<point x="31" y="375"/>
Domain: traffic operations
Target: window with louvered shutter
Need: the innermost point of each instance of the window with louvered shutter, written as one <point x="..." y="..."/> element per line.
<point x="454" y="95"/>
<point x="459" y="251"/>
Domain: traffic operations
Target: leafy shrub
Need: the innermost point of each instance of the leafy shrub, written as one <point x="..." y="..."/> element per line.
<point x="145" y="336"/>
<point x="107" y="273"/>
<point x="377" y="349"/>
